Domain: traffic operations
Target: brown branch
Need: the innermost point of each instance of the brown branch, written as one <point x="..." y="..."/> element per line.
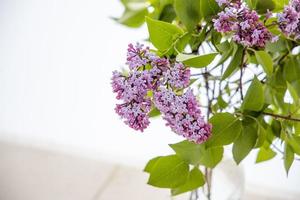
<point x="241" y="83"/>
<point x="281" y="116"/>
<point x="243" y="63"/>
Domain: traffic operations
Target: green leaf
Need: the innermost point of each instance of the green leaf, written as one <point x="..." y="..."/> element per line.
<point x="278" y="87"/>
<point x="263" y="6"/>
<point x="167" y="14"/>
<point x="276" y="127"/>
<point x="211" y="156"/>
<point x="294" y="142"/>
<point x="208" y="8"/>
<point x="162" y="34"/>
<point x="188" y="11"/>
<point x="280" y="4"/>
<point x="133" y="18"/>
<point x="235" y="63"/>
<point x="197" y="39"/>
<point x="265" y="60"/>
<point x="288" y="157"/>
<point x="198" y="154"/>
<point x="291" y="70"/>
<point x="225" y="129"/>
<point x="182" y="42"/>
<point x="151" y="164"/>
<point x="296" y="86"/>
<point x="226" y="49"/>
<point x="169" y="172"/>
<point x="251" y="3"/>
<point x="244" y="144"/>
<point x="262" y="134"/>
<point x="154" y="113"/>
<point x="265" y="154"/>
<point x="189" y="151"/>
<point x="223" y="104"/>
<point x="134" y="4"/>
<point x="216" y="37"/>
<point x="194" y="181"/>
<point x="293" y="93"/>
<point x="196" y="61"/>
<point x="279" y="46"/>
<point x="254" y="99"/>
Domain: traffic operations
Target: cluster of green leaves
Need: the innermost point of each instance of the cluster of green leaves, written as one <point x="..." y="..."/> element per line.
<point x="180" y="172"/>
<point x="259" y="120"/>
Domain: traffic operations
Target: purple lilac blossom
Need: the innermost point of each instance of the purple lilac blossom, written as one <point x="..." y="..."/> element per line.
<point x="177" y="76"/>
<point x="289" y="20"/>
<point x="138" y="56"/>
<point x="183" y="115"/>
<point x="244" y="24"/>
<point x="133" y="88"/>
<point x="269" y="14"/>
<point x="295" y="4"/>
<point x="226" y="20"/>
<point x="250" y="31"/>
<point x="133" y="91"/>
<point x="222" y="2"/>
<point x="135" y="114"/>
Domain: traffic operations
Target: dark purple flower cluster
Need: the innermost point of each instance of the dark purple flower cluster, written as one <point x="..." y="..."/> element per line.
<point x="289" y="20"/>
<point x="244" y="23"/>
<point x="148" y="72"/>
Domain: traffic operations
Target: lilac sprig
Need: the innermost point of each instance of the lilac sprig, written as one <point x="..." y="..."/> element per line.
<point x="133" y="91"/>
<point x="223" y="2"/>
<point x="148" y="72"/>
<point x="289" y="20"/>
<point x="183" y="115"/>
<point x="244" y="24"/>
<point x="178" y="76"/>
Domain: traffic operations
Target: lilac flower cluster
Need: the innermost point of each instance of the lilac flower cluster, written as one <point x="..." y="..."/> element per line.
<point x="289" y="20"/>
<point x="182" y="114"/>
<point x="223" y="2"/>
<point x="133" y="91"/>
<point x="177" y="76"/>
<point x="148" y="72"/>
<point x="243" y="23"/>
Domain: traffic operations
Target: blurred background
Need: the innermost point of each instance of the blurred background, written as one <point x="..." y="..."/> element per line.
<point x="56" y="61"/>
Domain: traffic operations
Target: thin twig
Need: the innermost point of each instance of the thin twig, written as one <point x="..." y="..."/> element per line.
<point x="281" y="116"/>
<point x="243" y="64"/>
<point x="277" y="149"/>
<point x="241" y="84"/>
<point x="281" y="152"/>
<point x="191" y="195"/>
<point x="208" y="99"/>
<point x="202" y="74"/>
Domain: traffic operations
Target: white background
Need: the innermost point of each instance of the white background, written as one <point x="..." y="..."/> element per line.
<point x="56" y="59"/>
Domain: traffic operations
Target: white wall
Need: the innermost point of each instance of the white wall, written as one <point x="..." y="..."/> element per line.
<point x="56" y="59"/>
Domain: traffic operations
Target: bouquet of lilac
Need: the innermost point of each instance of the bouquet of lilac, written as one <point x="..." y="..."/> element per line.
<point x="242" y="57"/>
